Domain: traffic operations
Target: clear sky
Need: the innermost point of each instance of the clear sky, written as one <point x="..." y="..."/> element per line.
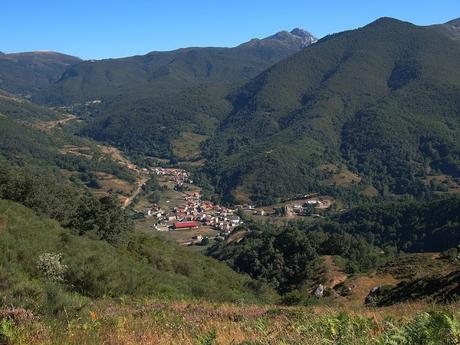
<point x="94" y="29"/>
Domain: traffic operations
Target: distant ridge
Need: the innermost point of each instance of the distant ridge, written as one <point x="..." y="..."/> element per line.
<point x="173" y="70"/>
<point x="28" y="72"/>
<point x="451" y="28"/>
<point x="49" y="55"/>
<point x="34" y="73"/>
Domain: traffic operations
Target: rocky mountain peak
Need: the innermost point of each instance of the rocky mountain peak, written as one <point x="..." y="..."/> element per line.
<point x="306" y="37"/>
<point x="302" y="37"/>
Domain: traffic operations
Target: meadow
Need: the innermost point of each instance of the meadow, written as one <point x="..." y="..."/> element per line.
<point x="204" y="323"/>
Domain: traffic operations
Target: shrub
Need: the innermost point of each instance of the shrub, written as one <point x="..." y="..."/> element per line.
<point x="50" y="265"/>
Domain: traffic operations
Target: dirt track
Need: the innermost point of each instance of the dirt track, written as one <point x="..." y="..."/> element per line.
<point x="333" y="275"/>
<point x="51" y="124"/>
<point x="138" y="190"/>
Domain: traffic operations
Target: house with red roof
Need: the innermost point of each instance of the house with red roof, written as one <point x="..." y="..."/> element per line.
<point x="185" y="225"/>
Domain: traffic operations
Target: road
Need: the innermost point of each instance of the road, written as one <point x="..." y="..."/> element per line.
<point x="140" y="183"/>
<point x="51" y="124"/>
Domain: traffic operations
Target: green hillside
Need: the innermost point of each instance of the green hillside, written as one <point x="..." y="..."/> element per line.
<point x="166" y="72"/>
<point x="381" y="101"/>
<point x="144" y="103"/>
<point x="34" y="136"/>
<point x="18" y="108"/>
<point x="22" y="138"/>
<point x="94" y="269"/>
<point x="365" y="240"/>
<point x="149" y="125"/>
<point x="31" y="72"/>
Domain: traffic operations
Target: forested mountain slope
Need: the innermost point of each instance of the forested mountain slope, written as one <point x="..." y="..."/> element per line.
<point x="31" y="72"/>
<point x="142" y="104"/>
<point x="19" y="108"/>
<point x="383" y="100"/>
<point x="366" y="238"/>
<point x="166" y="72"/>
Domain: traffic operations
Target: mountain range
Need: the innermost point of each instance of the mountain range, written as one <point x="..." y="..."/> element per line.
<point x="276" y="116"/>
<point x="363" y="124"/>
<point x="165" y="72"/>
<point x="380" y="101"/>
<point x="149" y="101"/>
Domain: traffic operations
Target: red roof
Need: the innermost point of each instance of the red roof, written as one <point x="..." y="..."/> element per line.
<point x="181" y="225"/>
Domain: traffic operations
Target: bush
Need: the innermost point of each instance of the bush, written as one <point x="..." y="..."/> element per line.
<point x="295" y="297"/>
<point x="50" y="265"/>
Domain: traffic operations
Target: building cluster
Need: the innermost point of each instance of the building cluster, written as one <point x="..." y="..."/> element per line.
<point x="207" y="213"/>
<point x="305" y="209"/>
<point x="194" y="212"/>
<point x="156" y="211"/>
<point x="178" y="176"/>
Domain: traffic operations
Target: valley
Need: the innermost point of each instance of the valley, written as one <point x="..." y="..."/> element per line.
<point x="284" y="190"/>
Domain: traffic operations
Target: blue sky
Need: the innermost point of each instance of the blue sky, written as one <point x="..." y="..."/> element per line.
<point x="94" y="29"/>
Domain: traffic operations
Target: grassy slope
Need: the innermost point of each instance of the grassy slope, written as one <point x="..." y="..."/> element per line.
<point x="204" y="323"/>
<point x="93" y="318"/>
<point x="451" y="28"/>
<point x="374" y="98"/>
<point x="145" y="267"/>
<point x="96" y="319"/>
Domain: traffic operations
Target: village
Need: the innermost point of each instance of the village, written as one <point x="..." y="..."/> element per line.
<point x="190" y="213"/>
<point x="190" y="220"/>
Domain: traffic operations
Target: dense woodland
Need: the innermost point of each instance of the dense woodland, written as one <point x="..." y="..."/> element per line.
<point x="286" y="257"/>
<point x="410" y="226"/>
<point x="71" y="207"/>
<point x="381" y="100"/>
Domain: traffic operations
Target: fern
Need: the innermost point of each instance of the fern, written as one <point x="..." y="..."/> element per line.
<point x="209" y="339"/>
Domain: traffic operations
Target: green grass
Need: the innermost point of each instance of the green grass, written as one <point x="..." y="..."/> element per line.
<point x="188" y="145"/>
<point x="178" y="323"/>
<point x="143" y="267"/>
